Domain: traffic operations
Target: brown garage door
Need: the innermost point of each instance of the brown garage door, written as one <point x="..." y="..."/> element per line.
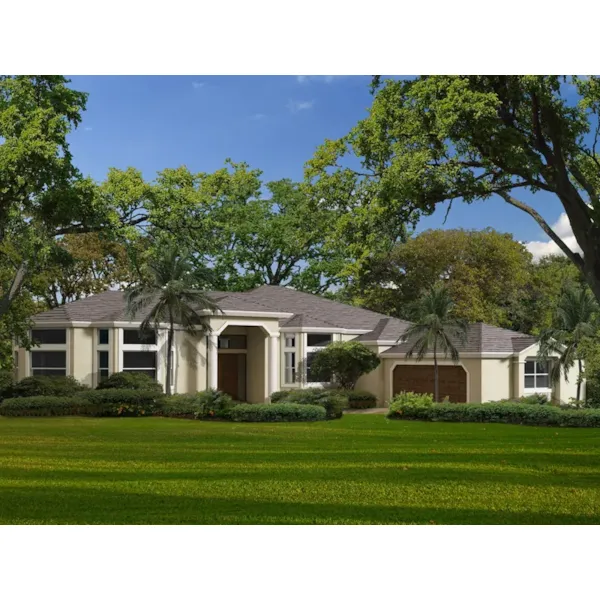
<point x="419" y="378"/>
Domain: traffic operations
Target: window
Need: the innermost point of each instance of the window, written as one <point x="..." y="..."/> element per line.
<point x="232" y="342"/>
<point x="102" y="337"/>
<point x="536" y="375"/>
<point x="49" y="336"/>
<point x="290" y="367"/>
<point x="290" y="340"/>
<point x="103" y="372"/>
<point x="140" y="362"/>
<point x="46" y="362"/>
<point x="135" y="337"/>
<point x="318" y="339"/>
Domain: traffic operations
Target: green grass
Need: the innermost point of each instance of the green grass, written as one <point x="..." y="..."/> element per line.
<point x="361" y="469"/>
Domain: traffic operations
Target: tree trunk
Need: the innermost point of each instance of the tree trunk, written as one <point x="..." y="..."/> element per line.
<point x="169" y="358"/>
<point x="436" y="382"/>
<point x="579" y="381"/>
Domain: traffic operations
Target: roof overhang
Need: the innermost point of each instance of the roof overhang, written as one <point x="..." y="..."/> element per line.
<point x="324" y="330"/>
<point x="461" y="355"/>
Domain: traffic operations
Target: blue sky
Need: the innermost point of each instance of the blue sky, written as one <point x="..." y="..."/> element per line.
<point x="274" y="123"/>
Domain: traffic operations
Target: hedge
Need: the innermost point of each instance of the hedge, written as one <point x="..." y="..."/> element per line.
<point x="44" y="406"/>
<point x="497" y="412"/>
<point x="6" y="384"/>
<point x="358" y="400"/>
<point x="43" y="385"/>
<point x="209" y="404"/>
<point x="121" y="402"/>
<point x="130" y="381"/>
<point x="280" y="412"/>
<point x="333" y="401"/>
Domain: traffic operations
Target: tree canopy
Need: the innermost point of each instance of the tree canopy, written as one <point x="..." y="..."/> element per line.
<point x="434" y="139"/>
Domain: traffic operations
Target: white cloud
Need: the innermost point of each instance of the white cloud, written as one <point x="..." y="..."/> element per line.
<point x="258" y="117"/>
<point x="197" y="84"/>
<point x="87" y="128"/>
<point x="562" y="228"/>
<point x="295" y="106"/>
<point x="316" y="78"/>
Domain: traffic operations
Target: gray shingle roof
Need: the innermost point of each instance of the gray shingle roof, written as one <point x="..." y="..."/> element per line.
<point x="482" y="338"/>
<point x="334" y="314"/>
<point x="306" y="310"/>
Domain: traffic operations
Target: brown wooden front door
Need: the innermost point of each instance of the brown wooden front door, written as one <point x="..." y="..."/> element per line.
<point x="228" y="379"/>
<point x="419" y="378"/>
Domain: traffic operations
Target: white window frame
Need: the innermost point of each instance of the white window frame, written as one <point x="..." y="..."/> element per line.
<point x="290" y="349"/>
<point x="98" y="347"/>
<point x="535" y="375"/>
<point x="51" y="348"/>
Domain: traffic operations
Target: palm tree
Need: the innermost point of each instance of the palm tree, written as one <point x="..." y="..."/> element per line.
<point x="574" y="321"/>
<point x="435" y="328"/>
<point x="171" y="293"/>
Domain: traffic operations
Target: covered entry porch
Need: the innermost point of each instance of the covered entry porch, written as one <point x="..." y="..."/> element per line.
<point x="243" y="361"/>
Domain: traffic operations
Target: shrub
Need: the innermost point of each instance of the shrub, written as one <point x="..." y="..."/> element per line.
<point x="6" y="383"/>
<point x="280" y="396"/>
<point x="344" y="363"/>
<point x="411" y="400"/>
<point x="178" y="405"/>
<point x="359" y="400"/>
<point x="213" y="403"/>
<point x="130" y="381"/>
<point x="44" y="406"/>
<point x="333" y="401"/>
<point x="283" y="411"/>
<point x="530" y="399"/>
<point x="42" y="385"/>
<point x="121" y="402"/>
<point x="497" y="412"/>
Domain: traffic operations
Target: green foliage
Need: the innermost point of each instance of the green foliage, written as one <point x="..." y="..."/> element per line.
<point x="172" y="293"/>
<point x="333" y="401"/>
<point x="213" y="403"/>
<point x="45" y="386"/>
<point x="279" y="396"/>
<point x="485" y="272"/>
<point x="575" y="321"/>
<point x="344" y="363"/>
<point x="498" y="412"/>
<point x="6" y="383"/>
<point x="411" y="400"/>
<point x="434" y="139"/>
<point x="119" y="402"/>
<point x="43" y="406"/>
<point x="529" y="399"/>
<point x="358" y="400"/>
<point x="436" y="329"/>
<point x="283" y="411"/>
<point x="129" y="381"/>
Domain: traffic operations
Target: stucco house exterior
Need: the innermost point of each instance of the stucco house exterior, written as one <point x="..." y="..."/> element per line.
<point x="264" y="340"/>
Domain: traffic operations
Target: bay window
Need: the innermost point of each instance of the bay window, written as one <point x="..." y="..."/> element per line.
<point x="49" y="362"/>
<point x="140" y="362"/>
<point x="289" y="354"/>
<point x="315" y="342"/>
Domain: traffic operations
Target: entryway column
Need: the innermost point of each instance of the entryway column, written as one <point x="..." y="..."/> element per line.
<point x="213" y="357"/>
<point x="273" y="363"/>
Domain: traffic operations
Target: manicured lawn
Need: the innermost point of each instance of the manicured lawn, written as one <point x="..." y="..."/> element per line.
<point x="361" y="469"/>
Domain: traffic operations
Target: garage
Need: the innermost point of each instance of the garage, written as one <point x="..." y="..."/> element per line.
<point x="419" y="378"/>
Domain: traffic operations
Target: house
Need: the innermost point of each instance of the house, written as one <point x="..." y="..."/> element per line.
<point x="264" y="340"/>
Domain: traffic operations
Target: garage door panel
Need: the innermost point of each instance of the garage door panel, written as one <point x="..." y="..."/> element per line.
<point x="419" y="379"/>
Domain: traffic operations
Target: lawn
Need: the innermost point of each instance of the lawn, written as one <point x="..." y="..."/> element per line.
<point x="361" y="469"/>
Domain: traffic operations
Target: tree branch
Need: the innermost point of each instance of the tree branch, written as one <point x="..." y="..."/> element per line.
<point x="575" y="257"/>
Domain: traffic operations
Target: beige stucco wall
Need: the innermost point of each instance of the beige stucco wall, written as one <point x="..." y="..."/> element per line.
<point x="190" y="363"/>
<point x="496" y="378"/>
<point x="80" y="355"/>
<point x="374" y="381"/>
